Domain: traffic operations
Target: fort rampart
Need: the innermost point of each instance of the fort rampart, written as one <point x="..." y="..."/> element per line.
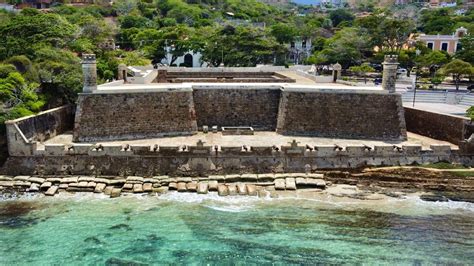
<point x="288" y="109"/>
<point x="203" y="160"/>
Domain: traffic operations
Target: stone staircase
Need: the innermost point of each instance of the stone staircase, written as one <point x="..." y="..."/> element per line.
<point x="425" y="97"/>
<point x="467" y="100"/>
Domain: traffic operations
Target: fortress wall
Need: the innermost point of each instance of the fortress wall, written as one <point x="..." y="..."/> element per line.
<point x="204" y="160"/>
<point x="341" y="114"/>
<point x="237" y="106"/>
<point x="438" y="126"/>
<point x="111" y="116"/>
<point x="23" y="133"/>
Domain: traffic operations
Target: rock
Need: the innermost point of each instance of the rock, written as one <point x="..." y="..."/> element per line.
<point x="82" y="184"/>
<point x="213" y="185"/>
<point x="251" y="190"/>
<point x="38" y="180"/>
<point x="191" y="186"/>
<point x="147" y="187"/>
<point x="135" y="179"/>
<point x="181" y="187"/>
<point x="217" y="177"/>
<point x="266" y="177"/>
<point x="21" y="184"/>
<point x="45" y="186"/>
<point x="86" y="179"/>
<point x="161" y="177"/>
<point x="280" y="184"/>
<point x="242" y="189"/>
<point x="232" y="189"/>
<point x="91" y="184"/>
<point x="63" y="186"/>
<point x="300" y="181"/>
<point x="51" y="191"/>
<point x="274" y="194"/>
<point x="431" y="197"/>
<point x="173" y="186"/>
<point x="222" y="190"/>
<point x="34" y="187"/>
<point x="150" y="180"/>
<point x="202" y="188"/>
<point x="137" y="188"/>
<point x="21" y="178"/>
<point x="161" y="189"/>
<point x="156" y="185"/>
<point x="6" y="183"/>
<point x="53" y="179"/>
<point x="6" y="178"/>
<point x="99" y="188"/>
<point x="232" y="178"/>
<point x="127" y="187"/>
<point x="184" y="179"/>
<point x="280" y="175"/>
<point x="317" y="176"/>
<point x="108" y="190"/>
<point x="290" y="183"/>
<point x="115" y="192"/>
<point x="117" y="182"/>
<point x="263" y="193"/>
<point x="68" y="180"/>
<point x="249" y="177"/>
<point x="102" y="180"/>
<point x="317" y="183"/>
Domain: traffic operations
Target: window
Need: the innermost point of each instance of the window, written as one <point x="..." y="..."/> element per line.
<point x="292" y="44"/>
<point x="303" y="44"/>
<point x="444" y="46"/>
<point x="458" y="46"/>
<point x="429" y="45"/>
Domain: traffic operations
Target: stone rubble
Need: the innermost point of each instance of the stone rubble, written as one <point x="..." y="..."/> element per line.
<point x="261" y="185"/>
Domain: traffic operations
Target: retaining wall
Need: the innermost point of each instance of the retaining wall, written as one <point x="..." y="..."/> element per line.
<point x="237" y="106"/>
<point x="342" y="114"/>
<point x="23" y="133"/>
<point x="109" y="116"/>
<point x="454" y="129"/>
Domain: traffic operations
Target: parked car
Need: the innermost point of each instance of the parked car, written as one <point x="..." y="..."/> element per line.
<point x="401" y="71"/>
<point x="470" y="87"/>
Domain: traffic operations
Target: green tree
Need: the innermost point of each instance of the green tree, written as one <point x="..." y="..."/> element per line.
<point x="458" y="69"/>
<point x="466" y="53"/>
<point x="340" y="15"/>
<point x="362" y="69"/>
<point x="284" y="33"/>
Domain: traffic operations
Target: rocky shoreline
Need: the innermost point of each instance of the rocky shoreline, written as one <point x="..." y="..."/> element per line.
<point x="225" y="185"/>
<point x="435" y="185"/>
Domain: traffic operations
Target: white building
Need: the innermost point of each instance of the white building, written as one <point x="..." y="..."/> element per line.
<point x="300" y="49"/>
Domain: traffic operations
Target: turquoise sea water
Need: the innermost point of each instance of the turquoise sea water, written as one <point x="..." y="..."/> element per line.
<point x="85" y="229"/>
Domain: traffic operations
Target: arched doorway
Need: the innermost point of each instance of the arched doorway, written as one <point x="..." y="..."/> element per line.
<point x="188" y="60"/>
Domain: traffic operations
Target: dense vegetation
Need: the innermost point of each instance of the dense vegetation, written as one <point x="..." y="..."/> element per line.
<point x="40" y="51"/>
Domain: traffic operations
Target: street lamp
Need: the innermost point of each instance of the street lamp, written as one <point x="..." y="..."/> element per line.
<point x="417" y="53"/>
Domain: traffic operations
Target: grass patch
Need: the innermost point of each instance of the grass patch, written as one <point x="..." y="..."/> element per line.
<point x="462" y="174"/>
<point x="443" y="165"/>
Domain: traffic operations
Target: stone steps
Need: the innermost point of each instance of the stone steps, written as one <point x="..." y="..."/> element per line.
<point x="225" y="185"/>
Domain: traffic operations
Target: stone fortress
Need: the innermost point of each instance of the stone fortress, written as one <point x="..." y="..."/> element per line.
<point x="198" y="122"/>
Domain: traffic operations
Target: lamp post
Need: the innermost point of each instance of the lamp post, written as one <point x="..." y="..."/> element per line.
<point x="417" y="53"/>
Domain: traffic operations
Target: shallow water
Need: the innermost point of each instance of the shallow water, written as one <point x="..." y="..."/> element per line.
<point x="186" y="228"/>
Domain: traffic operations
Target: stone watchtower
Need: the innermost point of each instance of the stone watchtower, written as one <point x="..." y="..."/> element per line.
<point x="390" y="66"/>
<point x="89" y="71"/>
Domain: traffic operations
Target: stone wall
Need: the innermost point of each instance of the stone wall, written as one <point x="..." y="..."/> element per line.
<point x="87" y="159"/>
<point x="438" y="126"/>
<point x="341" y="114"/>
<point x="255" y="107"/>
<point x="134" y="115"/>
<point x="23" y="133"/>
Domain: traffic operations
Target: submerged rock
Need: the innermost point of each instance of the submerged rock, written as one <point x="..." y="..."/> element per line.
<point x="222" y="190"/>
<point x="51" y="191"/>
<point x="122" y="262"/>
<point x="213" y="185"/>
<point x="434" y="198"/>
<point x="242" y="189"/>
<point x="202" y="188"/>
